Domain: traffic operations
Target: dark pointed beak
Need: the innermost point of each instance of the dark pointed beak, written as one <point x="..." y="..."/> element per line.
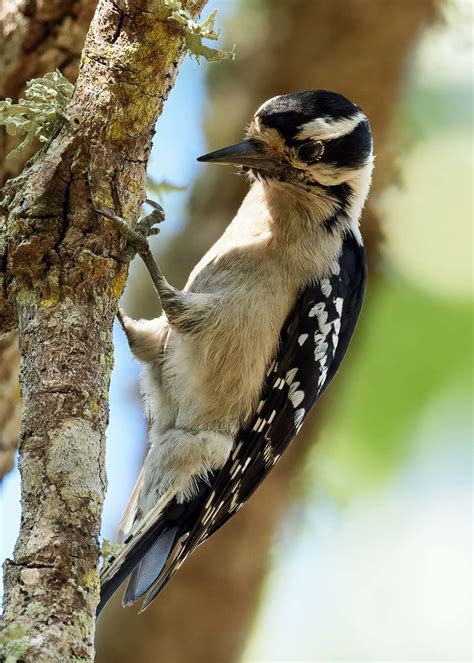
<point x="247" y="153"/>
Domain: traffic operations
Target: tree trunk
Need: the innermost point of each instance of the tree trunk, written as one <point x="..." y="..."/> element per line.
<point x="34" y="38"/>
<point x="60" y="285"/>
<point x="356" y="47"/>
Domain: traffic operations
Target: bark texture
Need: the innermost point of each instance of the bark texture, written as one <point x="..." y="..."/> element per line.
<point x="359" y="48"/>
<point x="63" y="285"/>
<point x="35" y="37"/>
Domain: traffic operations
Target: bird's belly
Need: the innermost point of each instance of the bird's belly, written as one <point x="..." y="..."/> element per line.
<point x="217" y="378"/>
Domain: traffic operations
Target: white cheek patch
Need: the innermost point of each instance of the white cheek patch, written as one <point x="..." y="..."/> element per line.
<point x="325" y="128"/>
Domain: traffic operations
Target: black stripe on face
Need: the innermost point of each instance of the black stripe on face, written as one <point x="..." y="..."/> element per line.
<point x="351" y="150"/>
<point x="342" y="192"/>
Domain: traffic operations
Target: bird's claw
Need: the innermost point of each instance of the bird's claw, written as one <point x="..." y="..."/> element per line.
<point x="156" y="208"/>
<point x="145" y="225"/>
<point x="125" y="257"/>
<point x="137" y="237"/>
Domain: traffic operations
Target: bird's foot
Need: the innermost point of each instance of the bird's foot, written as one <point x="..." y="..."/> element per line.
<point x="137" y="237"/>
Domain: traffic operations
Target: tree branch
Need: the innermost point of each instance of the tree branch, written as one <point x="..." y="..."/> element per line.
<point x="60" y="277"/>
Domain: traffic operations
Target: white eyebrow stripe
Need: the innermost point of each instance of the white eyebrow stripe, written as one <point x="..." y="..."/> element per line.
<point x="326" y="127"/>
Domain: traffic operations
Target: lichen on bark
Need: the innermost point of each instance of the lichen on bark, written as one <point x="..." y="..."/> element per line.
<point x="34" y="116"/>
<point x="60" y="286"/>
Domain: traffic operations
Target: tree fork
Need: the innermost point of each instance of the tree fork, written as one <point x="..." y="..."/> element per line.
<point x="60" y="286"/>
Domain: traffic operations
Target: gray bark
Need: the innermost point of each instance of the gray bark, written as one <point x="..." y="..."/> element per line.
<point x="60" y="285"/>
<point x="34" y="38"/>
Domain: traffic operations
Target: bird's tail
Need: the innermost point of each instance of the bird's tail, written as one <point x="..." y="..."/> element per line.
<point x="148" y="570"/>
<point x="145" y="552"/>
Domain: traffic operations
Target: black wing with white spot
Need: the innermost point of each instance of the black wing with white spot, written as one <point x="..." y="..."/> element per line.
<point x="313" y="343"/>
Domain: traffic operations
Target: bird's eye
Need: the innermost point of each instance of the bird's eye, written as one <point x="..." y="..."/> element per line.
<point x="310" y="151"/>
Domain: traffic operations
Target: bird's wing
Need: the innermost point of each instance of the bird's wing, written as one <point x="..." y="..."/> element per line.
<point x="313" y="343"/>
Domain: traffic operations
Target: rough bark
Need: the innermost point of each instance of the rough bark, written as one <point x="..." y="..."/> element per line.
<point x="361" y="49"/>
<point x="60" y="278"/>
<point x="35" y="37"/>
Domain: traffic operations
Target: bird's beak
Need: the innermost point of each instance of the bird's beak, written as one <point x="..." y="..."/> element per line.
<point x="247" y="153"/>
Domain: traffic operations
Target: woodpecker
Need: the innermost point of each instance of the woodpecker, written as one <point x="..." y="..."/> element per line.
<point x="241" y="354"/>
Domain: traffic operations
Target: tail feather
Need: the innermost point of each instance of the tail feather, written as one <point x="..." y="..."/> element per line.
<point x="150" y="567"/>
<point x="153" y="549"/>
<point x="161" y="580"/>
<point x="136" y="545"/>
<point x="125" y="564"/>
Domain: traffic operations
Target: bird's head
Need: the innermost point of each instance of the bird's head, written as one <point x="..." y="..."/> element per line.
<point x="305" y="138"/>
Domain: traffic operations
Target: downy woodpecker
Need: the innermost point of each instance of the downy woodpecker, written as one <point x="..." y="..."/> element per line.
<point x="240" y="356"/>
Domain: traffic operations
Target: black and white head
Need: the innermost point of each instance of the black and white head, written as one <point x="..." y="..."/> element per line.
<point x="308" y="139"/>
